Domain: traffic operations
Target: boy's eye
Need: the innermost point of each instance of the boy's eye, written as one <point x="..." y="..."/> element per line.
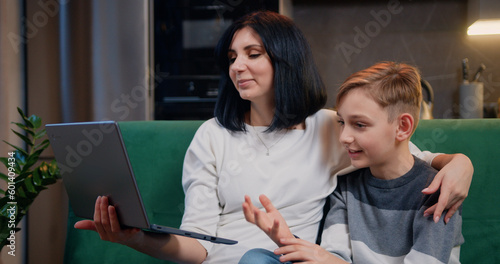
<point x="341" y="122"/>
<point x="360" y="125"/>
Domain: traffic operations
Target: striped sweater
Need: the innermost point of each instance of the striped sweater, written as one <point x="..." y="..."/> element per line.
<point x="381" y="221"/>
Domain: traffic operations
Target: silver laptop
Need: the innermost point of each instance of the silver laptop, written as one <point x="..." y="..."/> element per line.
<point x="93" y="161"/>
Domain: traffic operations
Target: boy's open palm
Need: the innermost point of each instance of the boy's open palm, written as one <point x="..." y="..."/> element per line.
<point x="270" y="221"/>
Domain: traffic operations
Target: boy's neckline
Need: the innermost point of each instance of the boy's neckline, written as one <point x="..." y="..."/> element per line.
<point x="404" y="179"/>
<point x="404" y="165"/>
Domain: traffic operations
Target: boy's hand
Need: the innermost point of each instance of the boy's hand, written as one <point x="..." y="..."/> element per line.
<point x="298" y="250"/>
<point x="271" y="221"/>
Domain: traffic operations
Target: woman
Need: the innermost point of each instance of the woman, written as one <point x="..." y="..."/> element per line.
<point x="269" y="137"/>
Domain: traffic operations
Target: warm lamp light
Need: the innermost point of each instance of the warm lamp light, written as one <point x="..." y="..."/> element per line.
<point x="484" y="27"/>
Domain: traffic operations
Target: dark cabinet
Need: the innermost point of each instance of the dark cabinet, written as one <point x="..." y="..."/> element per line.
<point x="185" y="34"/>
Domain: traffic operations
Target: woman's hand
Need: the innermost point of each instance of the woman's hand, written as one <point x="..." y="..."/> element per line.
<point x="271" y="221"/>
<point x="454" y="180"/>
<point x="163" y="246"/>
<point x="302" y="251"/>
<point x="107" y="225"/>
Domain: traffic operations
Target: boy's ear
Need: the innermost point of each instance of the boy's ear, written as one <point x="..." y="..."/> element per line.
<point x="405" y="126"/>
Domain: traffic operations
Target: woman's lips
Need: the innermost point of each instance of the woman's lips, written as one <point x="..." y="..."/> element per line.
<point x="244" y="82"/>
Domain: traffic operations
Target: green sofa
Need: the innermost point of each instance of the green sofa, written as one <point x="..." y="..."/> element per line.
<point x="156" y="150"/>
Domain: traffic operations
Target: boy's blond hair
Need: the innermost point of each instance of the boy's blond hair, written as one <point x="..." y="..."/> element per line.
<point x="394" y="86"/>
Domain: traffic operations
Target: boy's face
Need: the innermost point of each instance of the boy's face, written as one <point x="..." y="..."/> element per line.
<point x="366" y="133"/>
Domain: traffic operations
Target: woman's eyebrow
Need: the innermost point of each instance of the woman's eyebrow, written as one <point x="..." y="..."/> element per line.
<point x="247" y="47"/>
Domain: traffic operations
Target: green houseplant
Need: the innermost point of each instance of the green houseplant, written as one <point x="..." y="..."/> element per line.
<point x="25" y="177"/>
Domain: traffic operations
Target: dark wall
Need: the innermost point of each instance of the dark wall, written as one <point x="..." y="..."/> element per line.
<point x="347" y="36"/>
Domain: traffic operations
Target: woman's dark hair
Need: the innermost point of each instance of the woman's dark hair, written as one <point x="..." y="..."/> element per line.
<point x="299" y="90"/>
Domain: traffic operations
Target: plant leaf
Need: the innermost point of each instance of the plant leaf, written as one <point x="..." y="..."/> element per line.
<point x="40" y="134"/>
<point x="28" y="182"/>
<point x="44" y="167"/>
<point x="36" y="121"/>
<point x="20" y="158"/>
<point x="4" y="230"/>
<point x="23" y="137"/>
<point x="54" y="169"/>
<point x="4" y="161"/>
<point x="26" y="120"/>
<point x="25" y="128"/>
<point x="4" y="177"/>
<point x="17" y="148"/>
<point x="32" y="159"/>
<point x="20" y="193"/>
<point x="22" y="176"/>
<point x="20" y="111"/>
<point x="49" y="173"/>
<point x="43" y="145"/>
<point x="45" y="177"/>
<point x="48" y="179"/>
<point x="26" y="201"/>
<point x="36" y="178"/>
<point x="38" y="151"/>
<point x="3" y="210"/>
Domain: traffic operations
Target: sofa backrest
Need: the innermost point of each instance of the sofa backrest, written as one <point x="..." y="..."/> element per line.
<point x="479" y="139"/>
<point x="157" y="148"/>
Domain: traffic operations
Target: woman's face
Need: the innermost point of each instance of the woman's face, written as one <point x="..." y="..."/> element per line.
<point x="250" y="67"/>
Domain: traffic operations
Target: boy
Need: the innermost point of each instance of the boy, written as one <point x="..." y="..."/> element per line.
<point x="376" y="211"/>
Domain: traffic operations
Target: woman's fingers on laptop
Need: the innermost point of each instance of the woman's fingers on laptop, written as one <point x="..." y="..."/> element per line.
<point x="104" y="216"/>
<point x="96" y="224"/>
<point x="98" y="218"/>
<point x="113" y="219"/>
<point x="85" y="225"/>
<point x="101" y="218"/>
<point x="89" y="224"/>
<point x="107" y="224"/>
